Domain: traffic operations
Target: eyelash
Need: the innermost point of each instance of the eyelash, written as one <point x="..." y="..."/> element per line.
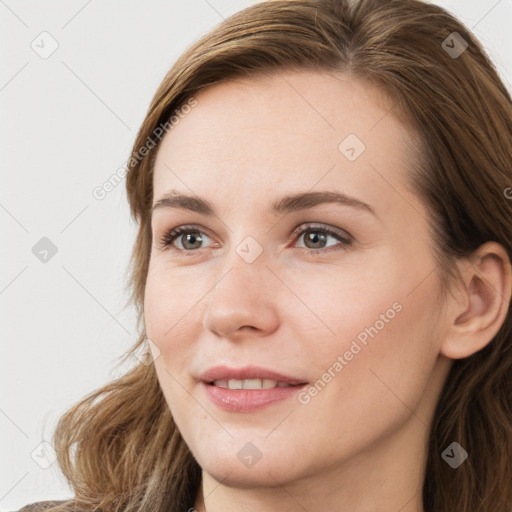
<point x="166" y="242"/>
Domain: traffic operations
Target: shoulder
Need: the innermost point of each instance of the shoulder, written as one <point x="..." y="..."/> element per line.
<point x="41" y="506"/>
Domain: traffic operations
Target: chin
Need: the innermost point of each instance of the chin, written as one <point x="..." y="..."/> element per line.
<point x="269" y="471"/>
<point x="253" y="478"/>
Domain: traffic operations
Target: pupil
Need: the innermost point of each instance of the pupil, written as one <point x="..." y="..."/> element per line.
<point x="314" y="238"/>
<point x="190" y="238"/>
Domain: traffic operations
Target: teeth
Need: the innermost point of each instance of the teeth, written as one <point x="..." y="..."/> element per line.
<point x="235" y="384"/>
<point x="250" y="384"/>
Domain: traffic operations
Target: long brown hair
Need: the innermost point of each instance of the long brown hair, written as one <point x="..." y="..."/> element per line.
<point x="119" y="447"/>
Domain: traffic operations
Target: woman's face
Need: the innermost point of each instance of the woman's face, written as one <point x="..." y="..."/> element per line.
<point x="350" y="312"/>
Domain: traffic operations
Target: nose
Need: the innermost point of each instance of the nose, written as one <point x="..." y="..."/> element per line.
<point x="242" y="303"/>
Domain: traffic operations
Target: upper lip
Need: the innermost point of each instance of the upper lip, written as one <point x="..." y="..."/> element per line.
<point x="247" y="372"/>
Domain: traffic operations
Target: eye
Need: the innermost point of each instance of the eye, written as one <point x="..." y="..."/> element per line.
<point x="190" y="239"/>
<point x="318" y="235"/>
<point x="189" y="236"/>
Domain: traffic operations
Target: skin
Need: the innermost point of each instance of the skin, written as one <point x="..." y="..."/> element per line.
<point x="360" y="444"/>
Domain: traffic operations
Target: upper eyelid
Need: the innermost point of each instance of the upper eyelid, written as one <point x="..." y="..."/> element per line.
<point x="297" y="231"/>
<point x="300" y="227"/>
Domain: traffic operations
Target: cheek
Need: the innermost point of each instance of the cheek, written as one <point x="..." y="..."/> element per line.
<point x="371" y="369"/>
<point x="172" y="298"/>
<point x="382" y="336"/>
<point x="391" y="357"/>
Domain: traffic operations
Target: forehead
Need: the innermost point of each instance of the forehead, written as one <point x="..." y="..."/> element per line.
<point x="291" y="130"/>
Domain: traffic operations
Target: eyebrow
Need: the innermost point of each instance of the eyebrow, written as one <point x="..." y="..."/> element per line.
<point x="286" y="204"/>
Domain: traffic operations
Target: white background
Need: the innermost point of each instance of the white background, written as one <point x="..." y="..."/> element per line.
<point x="67" y="124"/>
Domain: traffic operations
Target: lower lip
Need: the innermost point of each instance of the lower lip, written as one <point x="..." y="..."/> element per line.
<point x="247" y="400"/>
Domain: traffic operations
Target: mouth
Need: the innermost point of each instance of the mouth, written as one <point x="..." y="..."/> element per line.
<point x="252" y="384"/>
<point x="248" y="377"/>
<point x="248" y="389"/>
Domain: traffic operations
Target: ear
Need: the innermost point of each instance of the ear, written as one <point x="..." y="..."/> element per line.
<point x="480" y="305"/>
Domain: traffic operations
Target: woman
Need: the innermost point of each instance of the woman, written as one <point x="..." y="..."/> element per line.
<point x="322" y="275"/>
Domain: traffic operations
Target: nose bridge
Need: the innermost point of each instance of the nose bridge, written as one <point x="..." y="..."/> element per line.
<point x="241" y="275"/>
<point x="240" y="296"/>
<point x="245" y="256"/>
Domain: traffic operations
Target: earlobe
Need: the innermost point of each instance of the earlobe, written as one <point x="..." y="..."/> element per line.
<point x="482" y="302"/>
